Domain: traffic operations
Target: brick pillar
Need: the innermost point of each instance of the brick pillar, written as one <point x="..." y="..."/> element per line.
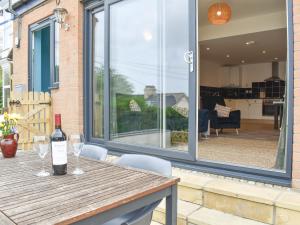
<point x="296" y="133"/>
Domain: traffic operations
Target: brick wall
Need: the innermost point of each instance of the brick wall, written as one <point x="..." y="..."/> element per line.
<point x="296" y="147"/>
<point x="68" y="99"/>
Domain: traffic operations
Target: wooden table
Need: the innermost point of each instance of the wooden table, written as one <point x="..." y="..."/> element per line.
<point x="103" y="192"/>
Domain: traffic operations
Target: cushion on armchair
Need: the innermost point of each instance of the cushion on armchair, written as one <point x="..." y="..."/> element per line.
<point x="222" y="111"/>
<point x="216" y="120"/>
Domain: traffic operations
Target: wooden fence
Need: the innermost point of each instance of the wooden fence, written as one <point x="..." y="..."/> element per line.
<point x="35" y="111"/>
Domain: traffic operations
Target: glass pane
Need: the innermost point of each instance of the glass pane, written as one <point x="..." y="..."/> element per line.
<point x="6" y="74"/>
<point x="56" y="53"/>
<point x="98" y="73"/>
<point x="148" y="76"/>
<point x="6" y="95"/>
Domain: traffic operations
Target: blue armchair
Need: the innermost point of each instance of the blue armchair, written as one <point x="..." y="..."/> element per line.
<point x="232" y="122"/>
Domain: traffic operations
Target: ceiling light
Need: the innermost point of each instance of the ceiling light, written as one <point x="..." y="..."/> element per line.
<point x="250" y="42"/>
<point x="207" y="48"/>
<point x="219" y="13"/>
<point x="228" y="56"/>
<point x="243" y="61"/>
<point x="264" y="52"/>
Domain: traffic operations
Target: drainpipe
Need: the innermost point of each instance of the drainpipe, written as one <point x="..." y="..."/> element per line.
<point x="19" y="23"/>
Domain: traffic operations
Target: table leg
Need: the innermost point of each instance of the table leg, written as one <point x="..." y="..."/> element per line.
<point x="276" y="118"/>
<point x="171" y="207"/>
<point x="280" y="115"/>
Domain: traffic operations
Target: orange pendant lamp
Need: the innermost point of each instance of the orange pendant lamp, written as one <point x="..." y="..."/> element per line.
<point x="219" y="13"/>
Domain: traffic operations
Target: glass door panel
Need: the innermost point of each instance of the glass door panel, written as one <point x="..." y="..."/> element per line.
<point x="150" y="80"/>
<point x="98" y="74"/>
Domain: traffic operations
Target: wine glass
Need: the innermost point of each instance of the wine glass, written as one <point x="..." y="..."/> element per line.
<point x="76" y="142"/>
<point x="41" y="145"/>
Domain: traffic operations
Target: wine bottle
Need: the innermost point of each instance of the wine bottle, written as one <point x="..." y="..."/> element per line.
<point x="59" y="148"/>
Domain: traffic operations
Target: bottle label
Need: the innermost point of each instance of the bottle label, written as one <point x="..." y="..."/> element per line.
<point x="59" y="152"/>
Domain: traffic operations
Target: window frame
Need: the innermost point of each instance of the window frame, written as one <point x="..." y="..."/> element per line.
<point x="238" y="171"/>
<point x="48" y="22"/>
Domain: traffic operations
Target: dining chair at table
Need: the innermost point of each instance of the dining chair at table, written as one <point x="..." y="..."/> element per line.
<point x="141" y="216"/>
<point x="94" y="152"/>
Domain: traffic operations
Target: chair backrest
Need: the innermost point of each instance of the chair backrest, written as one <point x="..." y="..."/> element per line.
<point x="209" y="102"/>
<point x="145" y="162"/>
<point x="94" y="152"/>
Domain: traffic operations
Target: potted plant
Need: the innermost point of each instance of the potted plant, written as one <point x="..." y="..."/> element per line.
<point x="10" y="137"/>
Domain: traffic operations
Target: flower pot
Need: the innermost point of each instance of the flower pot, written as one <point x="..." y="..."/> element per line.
<point x="9" y="145"/>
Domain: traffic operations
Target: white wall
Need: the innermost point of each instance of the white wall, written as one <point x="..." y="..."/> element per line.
<point x="214" y="75"/>
<point x="210" y="73"/>
<point x="254" y="24"/>
<point x="259" y="72"/>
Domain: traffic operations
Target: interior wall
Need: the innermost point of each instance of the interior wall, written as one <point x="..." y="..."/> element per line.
<point x="209" y="73"/>
<point x="259" y="72"/>
<point x="214" y="75"/>
<point x="270" y="21"/>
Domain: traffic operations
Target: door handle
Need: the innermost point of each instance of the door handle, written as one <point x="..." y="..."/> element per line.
<point x="189" y="59"/>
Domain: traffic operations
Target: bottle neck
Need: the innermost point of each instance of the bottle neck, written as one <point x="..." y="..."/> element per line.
<point x="57" y="121"/>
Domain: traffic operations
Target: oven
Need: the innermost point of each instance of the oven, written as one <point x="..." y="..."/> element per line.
<point x="269" y="108"/>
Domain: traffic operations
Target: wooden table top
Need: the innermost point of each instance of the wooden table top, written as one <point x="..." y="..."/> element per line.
<point x="28" y="199"/>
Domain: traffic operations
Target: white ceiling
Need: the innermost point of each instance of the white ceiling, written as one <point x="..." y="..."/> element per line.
<point x="242" y="8"/>
<point x="273" y="41"/>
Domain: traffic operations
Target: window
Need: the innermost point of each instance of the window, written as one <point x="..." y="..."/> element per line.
<point x="142" y="83"/>
<point x="44" y="56"/>
<point x="6" y="76"/>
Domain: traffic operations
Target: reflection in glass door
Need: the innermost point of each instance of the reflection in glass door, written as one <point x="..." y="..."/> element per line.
<point x="98" y="74"/>
<point x="150" y="82"/>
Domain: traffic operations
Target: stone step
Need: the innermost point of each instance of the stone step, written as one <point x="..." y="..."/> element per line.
<point x="191" y="186"/>
<point x="205" y="216"/>
<point x="155" y="223"/>
<point x="260" y="203"/>
<point x="249" y="200"/>
<point x="184" y="209"/>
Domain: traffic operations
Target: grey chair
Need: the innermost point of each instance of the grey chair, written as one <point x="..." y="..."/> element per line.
<point x="141" y="216"/>
<point x="94" y="152"/>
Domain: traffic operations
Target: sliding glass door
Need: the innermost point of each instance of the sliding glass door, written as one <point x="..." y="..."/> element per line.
<point x="150" y="70"/>
<point x="144" y="89"/>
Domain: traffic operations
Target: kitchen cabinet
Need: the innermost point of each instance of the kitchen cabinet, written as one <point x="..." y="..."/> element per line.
<point x="250" y="108"/>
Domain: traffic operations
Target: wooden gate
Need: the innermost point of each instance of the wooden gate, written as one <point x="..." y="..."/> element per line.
<point x="35" y="111"/>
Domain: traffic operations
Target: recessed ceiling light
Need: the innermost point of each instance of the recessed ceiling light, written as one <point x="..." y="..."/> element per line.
<point x="228" y="56"/>
<point x="276" y="58"/>
<point x="208" y="48"/>
<point x="243" y="61"/>
<point x="250" y="42"/>
<point x="264" y="52"/>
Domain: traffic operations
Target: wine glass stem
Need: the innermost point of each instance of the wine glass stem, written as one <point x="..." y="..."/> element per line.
<point x="43" y="164"/>
<point x="77" y="162"/>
